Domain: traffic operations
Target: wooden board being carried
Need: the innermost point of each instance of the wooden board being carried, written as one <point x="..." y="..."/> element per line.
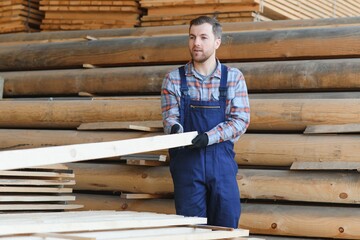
<point x="71" y="153"/>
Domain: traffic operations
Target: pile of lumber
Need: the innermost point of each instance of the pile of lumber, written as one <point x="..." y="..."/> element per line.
<point x="110" y="225"/>
<point x="20" y="16"/>
<point x="296" y="177"/>
<point x="84" y="14"/>
<point x="308" y="9"/>
<point x="180" y="12"/>
<point x="46" y="188"/>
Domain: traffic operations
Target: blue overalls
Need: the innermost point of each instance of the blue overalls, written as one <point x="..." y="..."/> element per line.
<point x="205" y="179"/>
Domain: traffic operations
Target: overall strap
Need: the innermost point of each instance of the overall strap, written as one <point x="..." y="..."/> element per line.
<point x="223" y="81"/>
<point x="183" y="84"/>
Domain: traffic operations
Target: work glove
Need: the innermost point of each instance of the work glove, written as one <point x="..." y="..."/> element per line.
<point x="175" y="129"/>
<point x="200" y="141"/>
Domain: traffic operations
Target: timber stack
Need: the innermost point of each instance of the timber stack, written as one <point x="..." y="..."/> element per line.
<point x="298" y="161"/>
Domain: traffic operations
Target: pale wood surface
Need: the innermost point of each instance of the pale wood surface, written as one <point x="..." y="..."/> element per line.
<point x="344" y="128"/>
<point x="65" y="222"/>
<point x="71" y="153"/>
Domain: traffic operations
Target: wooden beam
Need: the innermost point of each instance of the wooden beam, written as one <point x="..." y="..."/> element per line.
<point x="251" y="149"/>
<point x="266" y="114"/>
<point x="325" y="166"/>
<point x="253" y="184"/>
<point x="71" y="153"/>
<point x="80" y="35"/>
<point x="281" y="76"/>
<point x="248" y="46"/>
<point x="343" y="128"/>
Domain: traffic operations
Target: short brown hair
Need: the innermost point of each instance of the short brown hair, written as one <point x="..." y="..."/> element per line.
<point x="216" y="26"/>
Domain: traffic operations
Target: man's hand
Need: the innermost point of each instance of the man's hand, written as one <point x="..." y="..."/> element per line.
<point x="200" y="141"/>
<point x="175" y="129"/>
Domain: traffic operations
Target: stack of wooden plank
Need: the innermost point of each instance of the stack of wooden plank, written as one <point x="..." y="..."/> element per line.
<point x="93" y="14"/>
<point x="180" y="12"/>
<point x="37" y="189"/>
<point x="305" y="9"/>
<point x="20" y="16"/>
<point x="110" y="225"/>
<point x="295" y="84"/>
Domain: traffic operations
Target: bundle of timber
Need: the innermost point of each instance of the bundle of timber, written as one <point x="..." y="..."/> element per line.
<point x="110" y="225"/>
<point x="180" y="12"/>
<point x="84" y="14"/>
<point x="309" y="9"/>
<point x="20" y="16"/>
<point x="45" y="188"/>
<point x="296" y="177"/>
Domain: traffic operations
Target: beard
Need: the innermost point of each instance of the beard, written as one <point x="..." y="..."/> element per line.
<point x="199" y="57"/>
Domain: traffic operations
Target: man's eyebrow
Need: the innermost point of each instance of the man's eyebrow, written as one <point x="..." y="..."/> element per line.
<point x="203" y="34"/>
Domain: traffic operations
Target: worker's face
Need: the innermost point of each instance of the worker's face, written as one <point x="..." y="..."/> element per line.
<point x="202" y="42"/>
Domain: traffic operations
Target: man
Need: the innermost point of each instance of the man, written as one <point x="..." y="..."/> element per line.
<point x="210" y="98"/>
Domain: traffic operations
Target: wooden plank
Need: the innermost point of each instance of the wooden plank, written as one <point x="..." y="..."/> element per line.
<point x="37" y="174"/>
<point x="61" y="154"/>
<point x="1" y="87"/>
<point x="153" y="157"/>
<point x="182" y="233"/>
<point x="19" y="225"/>
<point x="42" y="207"/>
<point x="343" y="128"/>
<point x="148" y="126"/>
<point x="142" y="196"/>
<point x="33" y="198"/>
<point x="140" y="162"/>
<point x="21" y="189"/>
<point x="33" y="182"/>
<point x="325" y="166"/>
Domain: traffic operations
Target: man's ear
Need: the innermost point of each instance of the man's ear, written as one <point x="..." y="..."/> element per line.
<point x="217" y="43"/>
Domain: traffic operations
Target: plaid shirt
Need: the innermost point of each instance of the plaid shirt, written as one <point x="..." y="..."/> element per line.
<point x="237" y="103"/>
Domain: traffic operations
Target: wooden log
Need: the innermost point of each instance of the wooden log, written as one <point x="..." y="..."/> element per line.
<point x="236" y="46"/>
<point x="266" y="114"/>
<point x="253" y="184"/>
<point x="251" y="149"/>
<point x="306" y="221"/>
<point x="269" y="219"/>
<point x="310" y="75"/>
<point x="168" y="30"/>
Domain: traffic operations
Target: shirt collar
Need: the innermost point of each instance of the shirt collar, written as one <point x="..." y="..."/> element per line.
<point x="190" y="70"/>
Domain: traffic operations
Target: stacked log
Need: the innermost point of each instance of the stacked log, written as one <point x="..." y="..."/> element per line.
<point x="308" y="9"/>
<point x="80" y="14"/>
<point x="294" y="82"/>
<point x="20" y="16"/>
<point x="180" y="12"/>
